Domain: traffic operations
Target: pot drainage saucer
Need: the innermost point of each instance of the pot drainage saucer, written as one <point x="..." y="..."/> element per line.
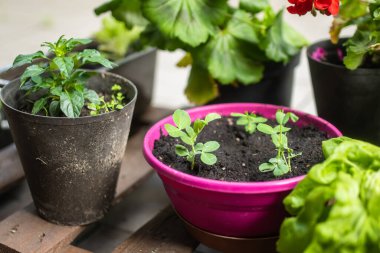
<point x="228" y="244"/>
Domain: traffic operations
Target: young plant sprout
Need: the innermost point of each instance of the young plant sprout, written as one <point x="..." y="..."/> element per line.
<point x="59" y="79"/>
<point x="189" y="134"/>
<point x="116" y="102"/>
<point x="281" y="164"/>
<point x="249" y="121"/>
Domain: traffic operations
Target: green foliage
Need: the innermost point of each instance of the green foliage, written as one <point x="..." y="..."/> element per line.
<point x="336" y="206"/>
<point x="281" y="164"/>
<point x="226" y="44"/>
<point x="365" y="43"/>
<point x="116" y="103"/>
<point x="58" y="82"/>
<point x="249" y="121"/>
<point x="115" y="38"/>
<point x="189" y="134"/>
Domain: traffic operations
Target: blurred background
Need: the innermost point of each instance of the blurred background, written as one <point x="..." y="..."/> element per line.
<point x="24" y="24"/>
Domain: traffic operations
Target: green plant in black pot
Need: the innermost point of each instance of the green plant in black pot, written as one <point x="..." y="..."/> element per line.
<point x="70" y="155"/>
<point x="345" y="72"/>
<point x="226" y="46"/>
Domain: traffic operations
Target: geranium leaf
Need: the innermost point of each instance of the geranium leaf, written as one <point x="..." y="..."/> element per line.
<point x="190" y="21"/>
<point x="243" y="27"/>
<point x="254" y="6"/>
<point x="228" y="62"/>
<point x="201" y="88"/>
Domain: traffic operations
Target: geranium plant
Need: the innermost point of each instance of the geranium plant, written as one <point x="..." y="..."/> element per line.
<point x="364" y="45"/>
<point x="224" y="44"/>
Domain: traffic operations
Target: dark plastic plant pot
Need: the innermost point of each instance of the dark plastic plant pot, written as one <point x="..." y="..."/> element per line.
<point x="231" y="209"/>
<point x="72" y="164"/>
<point x="350" y="99"/>
<point x="275" y="88"/>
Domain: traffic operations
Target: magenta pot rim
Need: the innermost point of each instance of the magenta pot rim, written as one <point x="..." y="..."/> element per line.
<point x="217" y="185"/>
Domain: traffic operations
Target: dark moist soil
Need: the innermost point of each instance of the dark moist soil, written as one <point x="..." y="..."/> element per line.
<point x="240" y="153"/>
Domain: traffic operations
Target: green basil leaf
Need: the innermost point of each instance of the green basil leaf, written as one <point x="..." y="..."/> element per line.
<point x="27" y="58"/>
<point x="54" y="109"/>
<point x="39" y="105"/>
<point x="72" y="103"/>
<point x="65" y="65"/>
<point x="31" y="71"/>
<point x="94" y="56"/>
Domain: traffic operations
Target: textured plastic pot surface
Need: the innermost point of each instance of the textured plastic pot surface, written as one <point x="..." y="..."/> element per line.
<point x="348" y="99"/>
<point x="275" y="88"/>
<point x="237" y="209"/>
<point x="72" y="164"/>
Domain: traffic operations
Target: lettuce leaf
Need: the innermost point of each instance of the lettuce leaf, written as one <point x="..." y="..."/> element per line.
<point x="336" y="206"/>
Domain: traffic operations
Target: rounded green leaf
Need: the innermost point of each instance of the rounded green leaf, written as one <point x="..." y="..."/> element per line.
<point x="181" y="118"/>
<point x="186" y="139"/>
<point x="293" y="117"/>
<point x="211" y="146"/>
<point x="266" y="129"/>
<point x="266" y="167"/>
<point x="181" y="150"/>
<point x="199" y="146"/>
<point x="234" y="114"/>
<point x="280" y="115"/>
<point x="173" y="131"/>
<point x="208" y="158"/>
<point x="72" y="103"/>
<point x="242" y="121"/>
<point x="212" y="116"/>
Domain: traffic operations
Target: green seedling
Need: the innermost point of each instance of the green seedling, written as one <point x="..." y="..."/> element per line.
<point x="116" y="102"/>
<point x="56" y="85"/>
<point x="189" y="134"/>
<point x="281" y="164"/>
<point x="249" y="121"/>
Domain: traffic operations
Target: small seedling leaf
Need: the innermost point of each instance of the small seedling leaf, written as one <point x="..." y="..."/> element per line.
<point x="199" y="125"/>
<point x="173" y="131"/>
<point x="91" y="96"/>
<point x="234" y="114"/>
<point x="266" y="167"/>
<point x="258" y="119"/>
<point x="211" y="146"/>
<point x="181" y="118"/>
<point x="181" y="150"/>
<point x="250" y="128"/>
<point x="293" y="117"/>
<point x="211" y="117"/>
<point x="199" y="147"/>
<point x="186" y="139"/>
<point x="190" y="132"/>
<point x="266" y="129"/>
<point x="208" y="158"/>
<point x="242" y="121"/>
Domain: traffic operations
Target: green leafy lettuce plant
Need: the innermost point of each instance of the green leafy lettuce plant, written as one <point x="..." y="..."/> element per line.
<point x="281" y="164"/>
<point x="336" y="207"/>
<point x="58" y="82"/>
<point x="189" y="134"/>
<point x="224" y="44"/>
<point x="115" y="38"/>
<point x="249" y="121"/>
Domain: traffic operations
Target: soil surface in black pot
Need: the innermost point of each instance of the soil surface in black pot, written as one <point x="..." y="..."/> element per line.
<point x="240" y="153"/>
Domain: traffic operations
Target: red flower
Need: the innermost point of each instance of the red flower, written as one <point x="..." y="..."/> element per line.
<point x="330" y="7"/>
<point x="300" y="7"/>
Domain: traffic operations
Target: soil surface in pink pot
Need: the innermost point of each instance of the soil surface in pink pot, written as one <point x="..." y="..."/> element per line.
<point x="240" y="153"/>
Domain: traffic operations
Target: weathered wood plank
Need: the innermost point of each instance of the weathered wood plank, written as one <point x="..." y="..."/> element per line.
<point x="10" y="168"/>
<point x="73" y="249"/>
<point x="30" y="228"/>
<point x="164" y="233"/>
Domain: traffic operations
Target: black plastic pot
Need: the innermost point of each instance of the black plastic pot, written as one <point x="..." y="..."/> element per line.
<point x="275" y="88"/>
<point x="72" y="164"/>
<point x="348" y="99"/>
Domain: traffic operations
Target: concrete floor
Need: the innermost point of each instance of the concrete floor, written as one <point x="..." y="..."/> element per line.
<point x="24" y="24"/>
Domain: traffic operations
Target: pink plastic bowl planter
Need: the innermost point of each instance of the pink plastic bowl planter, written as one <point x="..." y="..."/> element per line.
<point x="236" y="209"/>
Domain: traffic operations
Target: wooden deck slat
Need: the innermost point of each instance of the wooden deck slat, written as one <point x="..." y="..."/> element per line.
<point x="25" y="231"/>
<point x="73" y="249"/>
<point x="10" y="168"/>
<point x="164" y="233"/>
